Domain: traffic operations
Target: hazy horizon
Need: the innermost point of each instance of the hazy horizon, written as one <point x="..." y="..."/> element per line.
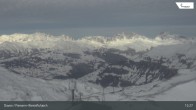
<point x="148" y="31"/>
<point x="78" y="18"/>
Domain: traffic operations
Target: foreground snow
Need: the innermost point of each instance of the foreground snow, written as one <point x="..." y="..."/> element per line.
<point x="14" y="87"/>
<point x="182" y="92"/>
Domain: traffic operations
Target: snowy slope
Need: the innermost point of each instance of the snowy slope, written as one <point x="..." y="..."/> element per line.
<point x="183" y="92"/>
<point x="17" y="88"/>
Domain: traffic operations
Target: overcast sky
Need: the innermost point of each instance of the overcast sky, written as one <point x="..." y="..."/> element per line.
<point x="87" y="16"/>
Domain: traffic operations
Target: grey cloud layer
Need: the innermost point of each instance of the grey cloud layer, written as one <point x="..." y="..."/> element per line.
<point x="91" y="13"/>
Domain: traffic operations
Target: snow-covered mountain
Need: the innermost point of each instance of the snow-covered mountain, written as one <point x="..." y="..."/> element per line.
<point x="126" y="67"/>
<point x="121" y="41"/>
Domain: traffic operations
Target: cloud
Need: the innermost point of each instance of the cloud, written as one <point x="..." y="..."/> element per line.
<point x="91" y="13"/>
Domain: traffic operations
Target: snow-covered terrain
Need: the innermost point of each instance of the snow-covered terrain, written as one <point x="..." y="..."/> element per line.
<point x="179" y="93"/>
<point x="121" y="41"/>
<point x="124" y="67"/>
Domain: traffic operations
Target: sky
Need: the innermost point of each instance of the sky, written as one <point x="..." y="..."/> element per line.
<point x="96" y="17"/>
